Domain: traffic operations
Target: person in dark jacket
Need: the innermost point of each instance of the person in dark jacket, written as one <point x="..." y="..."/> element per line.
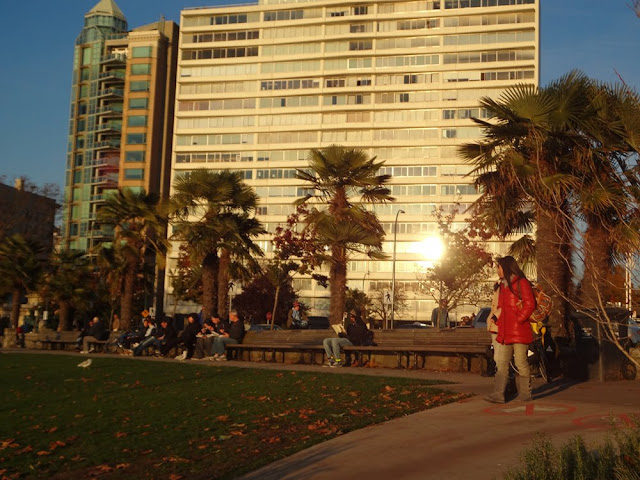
<point x="356" y="334"/>
<point x="148" y="339"/>
<point x="96" y="332"/>
<point x="212" y="328"/>
<point x="233" y="335"/>
<point x="516" y="303"/>
<point x="187" y="338"/>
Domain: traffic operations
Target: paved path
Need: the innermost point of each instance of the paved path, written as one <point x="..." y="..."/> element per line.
<point x="467" y="440"/>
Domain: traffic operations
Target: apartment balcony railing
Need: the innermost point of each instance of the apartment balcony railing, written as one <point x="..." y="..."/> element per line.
<point x="114" y="108"/>
<point x="111" y="143"/>
<point x="100" y="162"/>
<point x="108" y="126"/>
<point x="114" y="58"/>
<point x="105" y="179"/>
<point x="111" y="92"/>
<point x="111" y="74"/>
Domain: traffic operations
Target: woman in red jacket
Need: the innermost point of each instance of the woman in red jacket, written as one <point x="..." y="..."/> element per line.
<point x="516" y="303"/>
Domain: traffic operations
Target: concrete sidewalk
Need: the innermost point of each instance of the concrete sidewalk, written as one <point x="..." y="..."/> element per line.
<point x="472" y="439"/>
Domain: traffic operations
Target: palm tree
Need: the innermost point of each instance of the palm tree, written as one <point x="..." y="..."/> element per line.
<point x="139" y="231"/>
<point x="69" y="282"/>
<point x="336" y="174"/>
<point x="222" y="230"/>
<point x="525" y="164"/>
<point x="20" y="269"/>
<point x="554" y="156"/>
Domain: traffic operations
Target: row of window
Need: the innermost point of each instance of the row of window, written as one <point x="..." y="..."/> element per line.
<point x="335" y="12"/>
<point x="230" y="52"/>
<point x="225" y="36"/>
<point x="352" y="81"/>
<point x="368" y="27"/>
<point x="395" y="153"/>
<point x="327" y="100"/>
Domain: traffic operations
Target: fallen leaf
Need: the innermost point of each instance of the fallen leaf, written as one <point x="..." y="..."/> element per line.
<point x="122" y="466"/>
<point x="42" y="453"/>
<point x="389" y="389"/>
<point x="52" y="429"/>
<point x="26" y="449"/>
<point x="175" y="476"/>
<point x="121" y="434"/>
<point x="222" y="418"/>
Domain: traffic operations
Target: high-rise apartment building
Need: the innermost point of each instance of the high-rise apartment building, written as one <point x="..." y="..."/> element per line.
<point x="121" y="119"/>
<point x="260" y="85"/>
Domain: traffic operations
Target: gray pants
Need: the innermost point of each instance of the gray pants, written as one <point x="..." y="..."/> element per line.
<point x="204" y="345"/>
<point x="220" y="342"/>
<point x="332" y="346"/>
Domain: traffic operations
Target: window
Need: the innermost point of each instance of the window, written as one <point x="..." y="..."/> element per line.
<point x="137" y="120"/>
<point x="404" y="97"/>
<point x="134" y="173"/>
<point x="140" y="86"/>
<point x="78" y="162"/>
<point x="141" y="69"/>
<point x="135" y="103"/>
<point x="362" y="10"/>
<point x="136" y="138"/>
<point x="141" y="52"/>
<point x="136" y="156"/>
<point x="410" y="79"/>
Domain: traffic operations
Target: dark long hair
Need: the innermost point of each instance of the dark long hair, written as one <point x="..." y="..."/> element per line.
<point x="510" y="268"/>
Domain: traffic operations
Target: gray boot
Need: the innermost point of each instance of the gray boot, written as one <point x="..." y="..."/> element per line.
<point x="499" y="385"/>
<point x="524" y="389"/>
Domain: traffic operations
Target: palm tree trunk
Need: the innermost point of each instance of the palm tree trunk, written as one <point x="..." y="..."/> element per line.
<point x="209" y="285"/>
<point x="337" y="284"/>
<point x="126" y="303"/>
<point x="596" y="266"/>
<point x="275" y="306"/>
<point x="64" y="323"/>
<point x="223" y="283"/>
<point x="16" y="298"/>
<point x="552" y="262"/>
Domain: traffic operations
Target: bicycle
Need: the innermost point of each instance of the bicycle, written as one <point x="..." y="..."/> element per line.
<point x="538" y="354"/>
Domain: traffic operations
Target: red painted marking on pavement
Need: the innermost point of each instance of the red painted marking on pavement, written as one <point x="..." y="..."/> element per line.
<point x="605" y="422"/>
<point x="530" y="409"/>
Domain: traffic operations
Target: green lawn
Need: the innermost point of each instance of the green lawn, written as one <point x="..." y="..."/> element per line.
<point x="125" y="418"/>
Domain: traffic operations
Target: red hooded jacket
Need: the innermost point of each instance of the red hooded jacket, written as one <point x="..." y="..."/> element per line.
<point x="513" y="324"/>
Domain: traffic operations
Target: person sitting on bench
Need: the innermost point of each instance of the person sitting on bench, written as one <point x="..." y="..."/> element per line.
<point x="355" y="334"/>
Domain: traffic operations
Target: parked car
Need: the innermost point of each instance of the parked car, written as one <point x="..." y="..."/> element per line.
<point x="317" y="322"/>
<point x="480" y="320"/>
<point x="414" y="325"/>
<point x="261" y="327"/>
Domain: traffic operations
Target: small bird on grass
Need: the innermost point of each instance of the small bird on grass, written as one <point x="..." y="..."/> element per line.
<point x="85" y="364"/>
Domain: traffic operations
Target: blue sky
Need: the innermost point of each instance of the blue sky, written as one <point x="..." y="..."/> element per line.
<point x="595" y="36"/>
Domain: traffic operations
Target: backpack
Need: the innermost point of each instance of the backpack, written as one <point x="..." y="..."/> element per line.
<point x="543" y="306"/>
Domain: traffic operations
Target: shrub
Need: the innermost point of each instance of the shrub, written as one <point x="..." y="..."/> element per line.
<point x="617" y="458"/>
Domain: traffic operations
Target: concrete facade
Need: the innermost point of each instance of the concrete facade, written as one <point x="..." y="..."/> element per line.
<point x="260" y="85"/>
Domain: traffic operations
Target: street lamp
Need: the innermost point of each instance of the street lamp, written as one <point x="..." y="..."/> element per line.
<point x="393" y="266"/>
<point x="363" y="279"/>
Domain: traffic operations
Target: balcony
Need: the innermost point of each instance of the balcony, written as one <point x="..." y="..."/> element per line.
<point x="103" y="232"/>
<point x="109" y="127"/>
<point x="115" y="108"/>
<point x="111" y="92"/>
<point x="108" y="180"/>
<point x="97" y="198"/>
<point x="104" y="144"/>
<point x="114" y="58"/>
<point x="104" y="161"/>
<point x="112" y="75"/>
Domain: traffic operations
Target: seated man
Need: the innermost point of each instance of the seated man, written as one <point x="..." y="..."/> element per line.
<point x="164" y="334"/>
<point x="187" y="338"/>
<point x="96" y="332"/>
<point x="356" y="334"/>
<point x="211" y="329"/>
<point x="296" y="317"/>
<point x="149" y="337"/>
<point x="234" y="335"/>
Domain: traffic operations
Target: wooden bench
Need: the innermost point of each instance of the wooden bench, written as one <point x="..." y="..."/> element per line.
<point x="281" y="341"/>
<point x="407" y="345"/>
<point x="57" y="340"/>
<point x="103" y="345"/>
